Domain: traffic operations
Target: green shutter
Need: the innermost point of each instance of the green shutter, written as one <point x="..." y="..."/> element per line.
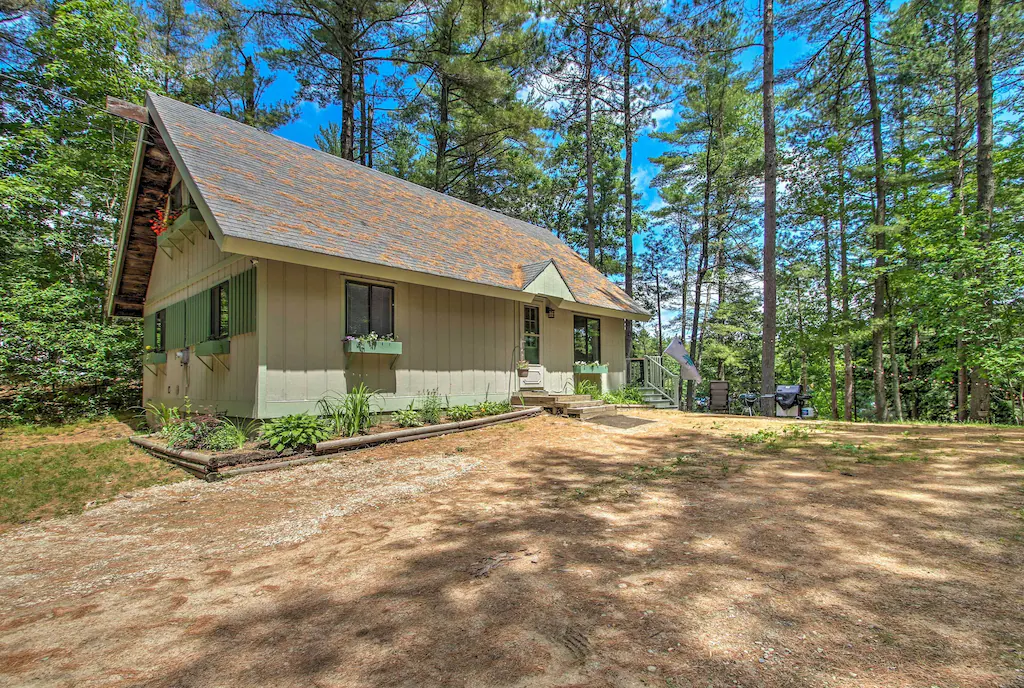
<point x="197" y="318"/>
<point x="242" y="302"/>
<point x="174" y="336"/>
<point x="149" y="331"/>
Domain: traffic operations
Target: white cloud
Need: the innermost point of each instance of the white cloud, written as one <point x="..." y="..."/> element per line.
<point x="663" y="115"/>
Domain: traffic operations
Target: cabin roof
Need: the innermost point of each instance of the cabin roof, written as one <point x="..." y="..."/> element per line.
<point x="264" y="188"/>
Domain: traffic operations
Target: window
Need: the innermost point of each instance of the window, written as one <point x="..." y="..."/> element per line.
<point x="531" y="334"/>
<point x="176" y="197"/>
<point x="159" y="325"/>
<point x="219" y="325"/>
<point x="369" y="308"/>
<point x="586" y="339"/>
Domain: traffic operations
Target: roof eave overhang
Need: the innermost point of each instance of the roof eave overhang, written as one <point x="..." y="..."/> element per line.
<point x="286" y="254"/>
<point x="113" y="283"/>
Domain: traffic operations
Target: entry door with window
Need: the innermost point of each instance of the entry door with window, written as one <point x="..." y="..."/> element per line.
<point x="531" y="348"/>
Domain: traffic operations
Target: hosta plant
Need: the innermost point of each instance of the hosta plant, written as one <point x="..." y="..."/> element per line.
<point x="297" y="431"/>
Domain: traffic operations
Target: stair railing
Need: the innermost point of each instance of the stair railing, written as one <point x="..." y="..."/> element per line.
<point x="659" y="378"/>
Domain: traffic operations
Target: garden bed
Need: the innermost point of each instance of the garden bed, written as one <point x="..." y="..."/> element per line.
<point x="210" y="466"/>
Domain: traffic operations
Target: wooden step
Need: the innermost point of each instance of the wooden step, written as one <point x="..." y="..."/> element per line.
<point x="565" y="405"/>
<point x="589" y="412"/>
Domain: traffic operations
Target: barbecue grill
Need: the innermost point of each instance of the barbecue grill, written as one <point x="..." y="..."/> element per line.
<point x="790" y="401"/>
<point x="749" y="401"/>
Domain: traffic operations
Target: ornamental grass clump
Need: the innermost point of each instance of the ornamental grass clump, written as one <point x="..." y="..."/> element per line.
<point x="350" y="414"/>
<point x="297" y="431"/>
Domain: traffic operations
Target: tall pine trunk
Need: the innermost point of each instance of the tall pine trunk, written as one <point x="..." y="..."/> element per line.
<point x="588" y="114"/>
<point x="829" y="328"/>
<point x="627" y="173"/>
<point x="441" y="138"/>
<point x="770" y="174"/>
<point x="878" y="310"/>
<point x="980" y="391"/>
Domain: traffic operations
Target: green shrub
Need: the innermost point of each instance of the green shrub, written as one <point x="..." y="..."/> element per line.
<point x="587" y="387"/>
<point x="432" y="407"/>
<point x="191" y="432"/>
<point x="460" y="413"/>
<point x="494" y="408"/>
<point x="232" y="434"/>
<point x="298" y="431"/>
<point x="626" y="395"/>
<point x="351" y="413"/>
<point x="407" y="418"/>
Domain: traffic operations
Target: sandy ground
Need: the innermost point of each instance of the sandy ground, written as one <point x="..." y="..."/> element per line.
<point x="687" y="551"/>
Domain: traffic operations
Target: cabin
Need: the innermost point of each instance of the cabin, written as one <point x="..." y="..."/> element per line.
<point x="268" y="275"/>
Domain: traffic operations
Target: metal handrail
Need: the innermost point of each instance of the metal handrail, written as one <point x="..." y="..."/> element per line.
<point x="660" y="378"/>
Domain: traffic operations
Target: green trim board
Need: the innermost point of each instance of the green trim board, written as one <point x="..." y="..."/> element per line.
<point x="590" y="369"/>
<point x="355" y="346"/>
<point x="149" y="331"/>
<point x="242" y="302"/>
<point x="213" y="347"/>
<point x="155" y="358"/>
<point x="197" y="318"/>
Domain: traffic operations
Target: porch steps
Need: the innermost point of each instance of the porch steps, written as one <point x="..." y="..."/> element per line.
<point x="656" y="398"/>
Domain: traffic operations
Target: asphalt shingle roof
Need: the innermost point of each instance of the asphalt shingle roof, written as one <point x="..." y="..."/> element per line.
<point x="269" y="189"/>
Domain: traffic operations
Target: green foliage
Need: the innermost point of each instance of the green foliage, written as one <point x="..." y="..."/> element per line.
<point x="584" y="386"/>
<point x="350" y="414"/>
<point x="191" y="432"/>
<point x="460" y="413"/>
<point x="494" y="408"/>
<point x="407" y="418"/>
<point x="159" y="416"/>
<point x="431" y="407"/>
<point x="297" y="431"/>
<point x="626" y="395"/>
<point x="232" y="434"/>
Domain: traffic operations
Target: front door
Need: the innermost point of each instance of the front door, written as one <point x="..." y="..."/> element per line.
<point x="531" y="349"/>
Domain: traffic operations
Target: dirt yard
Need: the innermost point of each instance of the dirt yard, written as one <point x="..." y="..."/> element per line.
<point x="687" y="551"/>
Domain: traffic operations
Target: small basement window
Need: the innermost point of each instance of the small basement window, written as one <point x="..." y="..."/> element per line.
<point x="586" y="339"/>
<point x="369" y="308"/>
<point x="219" y="325"/>
<point x="159" y="327"/>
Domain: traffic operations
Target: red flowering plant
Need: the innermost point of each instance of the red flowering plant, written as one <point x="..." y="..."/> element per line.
<point x="164" y="220"/>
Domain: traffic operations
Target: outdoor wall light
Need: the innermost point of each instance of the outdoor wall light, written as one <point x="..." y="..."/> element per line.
<point x="550" y="311"/>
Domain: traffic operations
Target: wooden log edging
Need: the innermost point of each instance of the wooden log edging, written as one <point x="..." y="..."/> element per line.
<point x="424" y="431"/>
<point x="205" y="466"/>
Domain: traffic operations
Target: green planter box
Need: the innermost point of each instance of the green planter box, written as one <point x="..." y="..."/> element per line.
<point x="213" y="346"/>
<point x="354" y="346"/>
<point x="190" y="220"/>
<point x="589" y="369"/>
<point x="155" y="357"/>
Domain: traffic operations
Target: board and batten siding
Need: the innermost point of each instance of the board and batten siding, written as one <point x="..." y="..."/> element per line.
<point x="558" y="352"/>
<point x="462" y="345"/>
<point x="228" y="385"/>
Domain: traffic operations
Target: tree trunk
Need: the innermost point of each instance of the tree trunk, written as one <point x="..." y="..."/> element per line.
<point x="348" y="92"/>
<point x="588" y="67"/>
<point x="770" y="173"/>
<point x="682" y="311"/>
<point x="833" y="391"/>
<point x="627" y="123"/>
<point x="441" y="138"/>
<point x="849" y="398"/>
<point x="702" y="265"/>
<point x="915" y="372"/>
<point x="369" y="134"/>
<point x="878" y="306"/>
<point x="363" y="147"/>
<point x="894" y="362"/>
<point x="980" y="389"/>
